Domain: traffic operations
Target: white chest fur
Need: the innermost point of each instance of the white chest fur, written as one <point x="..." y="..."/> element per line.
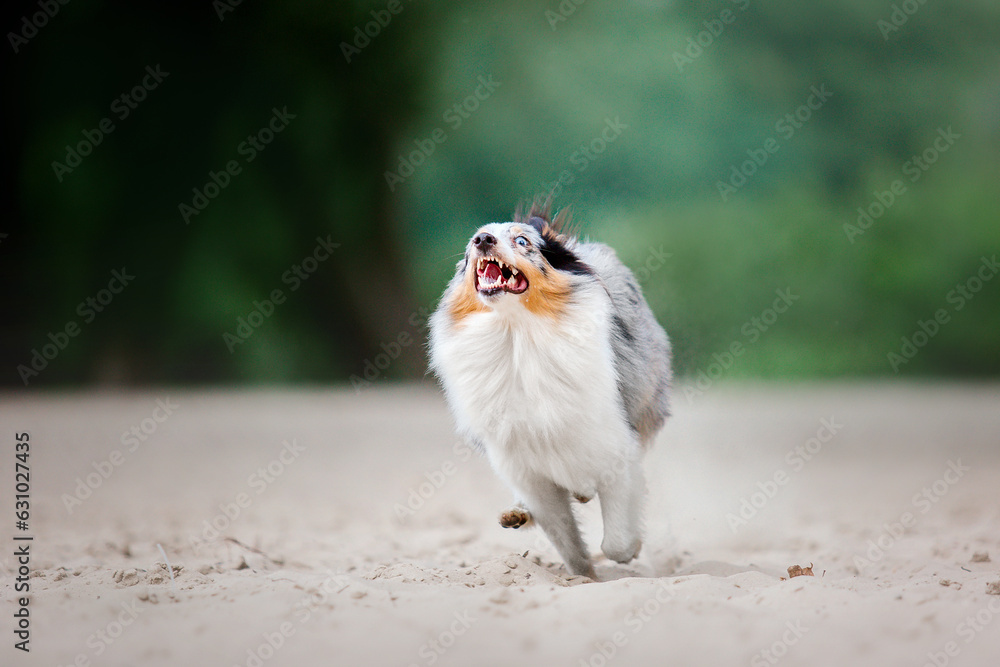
<point x="540" y="393"/>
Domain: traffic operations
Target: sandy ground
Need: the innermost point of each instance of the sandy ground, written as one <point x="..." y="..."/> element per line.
<point x="325" y="527"/>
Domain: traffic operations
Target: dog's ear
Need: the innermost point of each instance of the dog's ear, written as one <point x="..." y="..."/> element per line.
<point x="540" y="217"/>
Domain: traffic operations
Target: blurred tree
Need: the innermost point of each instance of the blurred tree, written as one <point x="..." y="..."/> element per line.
<point x="227" y="66"/>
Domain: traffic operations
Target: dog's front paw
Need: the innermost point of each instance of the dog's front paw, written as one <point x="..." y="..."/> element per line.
<point x="515" y="518"/>
<point x="622" y="553"/>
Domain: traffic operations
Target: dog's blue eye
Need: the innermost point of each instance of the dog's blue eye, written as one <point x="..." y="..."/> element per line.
<point x="521" y="241"/>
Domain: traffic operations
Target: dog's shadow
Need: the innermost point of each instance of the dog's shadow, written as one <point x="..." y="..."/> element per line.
<point x="671" y="568"/>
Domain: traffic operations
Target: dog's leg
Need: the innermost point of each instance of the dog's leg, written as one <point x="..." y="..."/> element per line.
<point x="549" y="504"/>
<point x="621" y="496"/>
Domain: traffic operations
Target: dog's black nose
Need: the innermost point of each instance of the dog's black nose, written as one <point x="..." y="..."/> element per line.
<point x="484" y="241"/>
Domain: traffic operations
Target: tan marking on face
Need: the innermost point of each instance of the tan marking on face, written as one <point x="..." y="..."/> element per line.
<point x="547" y="294"/>
<point x="466" y="301"/>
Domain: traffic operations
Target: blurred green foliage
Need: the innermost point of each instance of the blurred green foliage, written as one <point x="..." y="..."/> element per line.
<point x="632" y="113"/>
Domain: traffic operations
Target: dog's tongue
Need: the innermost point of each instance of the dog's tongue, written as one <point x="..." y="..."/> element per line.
<point x="492" y="271"/>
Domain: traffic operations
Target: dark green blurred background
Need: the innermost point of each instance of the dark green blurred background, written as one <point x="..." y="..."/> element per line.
<point x="631" y="112"/>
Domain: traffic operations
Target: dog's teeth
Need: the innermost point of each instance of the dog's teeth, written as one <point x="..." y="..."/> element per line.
<point x="511" y="281"/>
<point x="513" y="270"/>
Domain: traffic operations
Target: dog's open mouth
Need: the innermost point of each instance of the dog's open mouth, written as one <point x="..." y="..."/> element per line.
<point x="493" y="276"/>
